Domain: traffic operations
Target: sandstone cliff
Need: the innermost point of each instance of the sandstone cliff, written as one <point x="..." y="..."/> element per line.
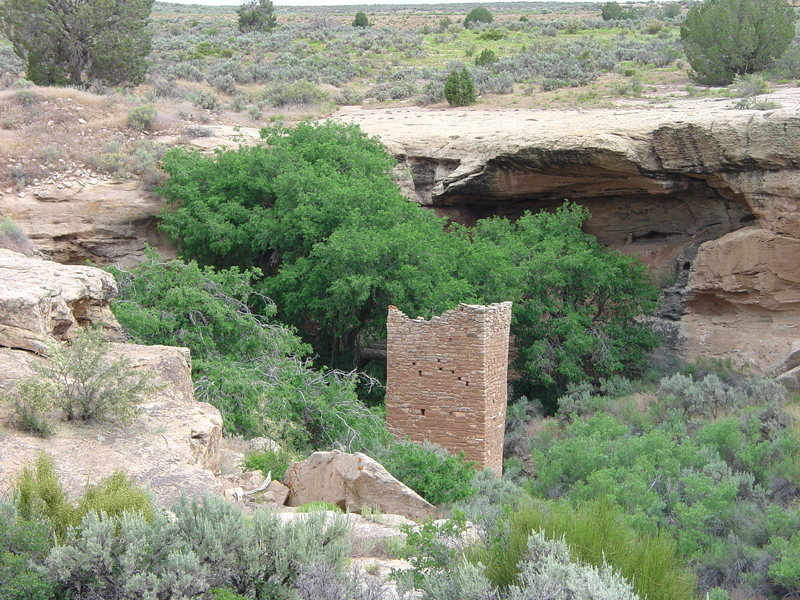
<point x="704" y="195"/>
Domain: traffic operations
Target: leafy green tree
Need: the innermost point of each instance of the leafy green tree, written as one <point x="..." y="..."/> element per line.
<point x="479" y="14"/>
<point x="459" y="89"/>
<point x="725" y="38"/>
<point x="317" y="210"/>
<point x="361" y="20"/>
<point x="257" y="15"/>
<point x="611" y="11"/>
<point x="576" y="304"/>
<point x="251" y="368"/>
<point x="76" y="41"/>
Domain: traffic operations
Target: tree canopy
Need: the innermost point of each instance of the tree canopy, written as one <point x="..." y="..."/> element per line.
<point x="257" y="15"/>
<point x="250" y="367"/>
<point x="361" y="20"/>
<point x="479" y="14"/>
<point x="724" y="38"/>
<point x="316" y="210"/>
<point x="75" y="41"/>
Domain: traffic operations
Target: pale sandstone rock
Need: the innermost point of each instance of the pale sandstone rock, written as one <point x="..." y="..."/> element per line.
<point x="173" y="445"/>
<point x="276" y="493"/>
<point x="352" y="481"/>
<point x="104" y="222"/>
<point x="41" y="299"/>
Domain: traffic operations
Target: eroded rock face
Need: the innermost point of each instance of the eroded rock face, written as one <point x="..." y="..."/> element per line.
<point x="42" y="299"/>
<point x="352" y="481"/>
<point x="107" y="223"/>
<point x="705" y="193"/>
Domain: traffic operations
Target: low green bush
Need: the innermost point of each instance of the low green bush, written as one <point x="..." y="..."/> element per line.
<point x="143" y="117"/>
<point x="204" y="99"/>
<point x="598" y="533"/>
<point x="429" y="470"/>
<point x="300" y="92"/>
<point x="79" y="379"/>
<point x="485" y="58"/>
<point x="39" y="494"/>
<point x="269" y="461"/>
<point x="207" y="545"/>
<point x="24" y="545"/>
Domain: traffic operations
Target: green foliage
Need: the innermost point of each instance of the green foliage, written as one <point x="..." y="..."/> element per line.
<point x="31" y="401"/>
<point x="251" y="368"/>
<point x="429" y="470"/>
<point x="12" y="237"/>
<point x="611" y="11"/>
<point x="432" y="548"/>
<point x="269" y="461"/>
<point x="459" y="89"/>
<point x="712" y="462"/>
<point x="204" y="99"/>
<point x="361" y="20"/>
<point x="310" y="507"/>
<point x="83" y="382"/>
<point x="548" y="571"/>
<point x="257" y="15"/>
<point x="724" y="38"/>
<point x="492" y="35"/>
<point x="317" y="211"/>
<point x="464" y="582"/>
<point x="671" y="10"/>
<point x="301" y="92"/>
<point x="77" y="42"/>
<point x="568" y="327"/>
<point x="208" y="544"/>
<point x="24" y="545"/>
<point x="598" y="533"/>
<point x="39" y="494"/>
<point x="479" y="14"/>
<point x="143" y="117"/>
<point x="485" y="58"/>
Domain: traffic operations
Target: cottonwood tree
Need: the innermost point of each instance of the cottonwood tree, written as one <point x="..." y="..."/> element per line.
<point x="257" y="15"/>
<point x="725" y="38"/>
<point x="317" y="211"/>
<point x="72" y="42"/>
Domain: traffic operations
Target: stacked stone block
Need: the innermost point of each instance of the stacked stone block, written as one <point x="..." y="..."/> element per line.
<point x="446" y="379"/>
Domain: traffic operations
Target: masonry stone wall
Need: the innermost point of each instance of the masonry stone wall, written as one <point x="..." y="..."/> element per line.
<point x="446" y="379"/>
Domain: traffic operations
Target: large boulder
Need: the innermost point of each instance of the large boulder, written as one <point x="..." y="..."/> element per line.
<point x="40" y="300"/>
<point x="351" y="482"/>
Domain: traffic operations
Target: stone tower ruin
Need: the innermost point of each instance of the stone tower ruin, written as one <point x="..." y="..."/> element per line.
<point x="446" y="379"/>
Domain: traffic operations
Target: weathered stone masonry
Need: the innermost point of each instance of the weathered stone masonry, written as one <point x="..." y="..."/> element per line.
<point x="446" y="379"/>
